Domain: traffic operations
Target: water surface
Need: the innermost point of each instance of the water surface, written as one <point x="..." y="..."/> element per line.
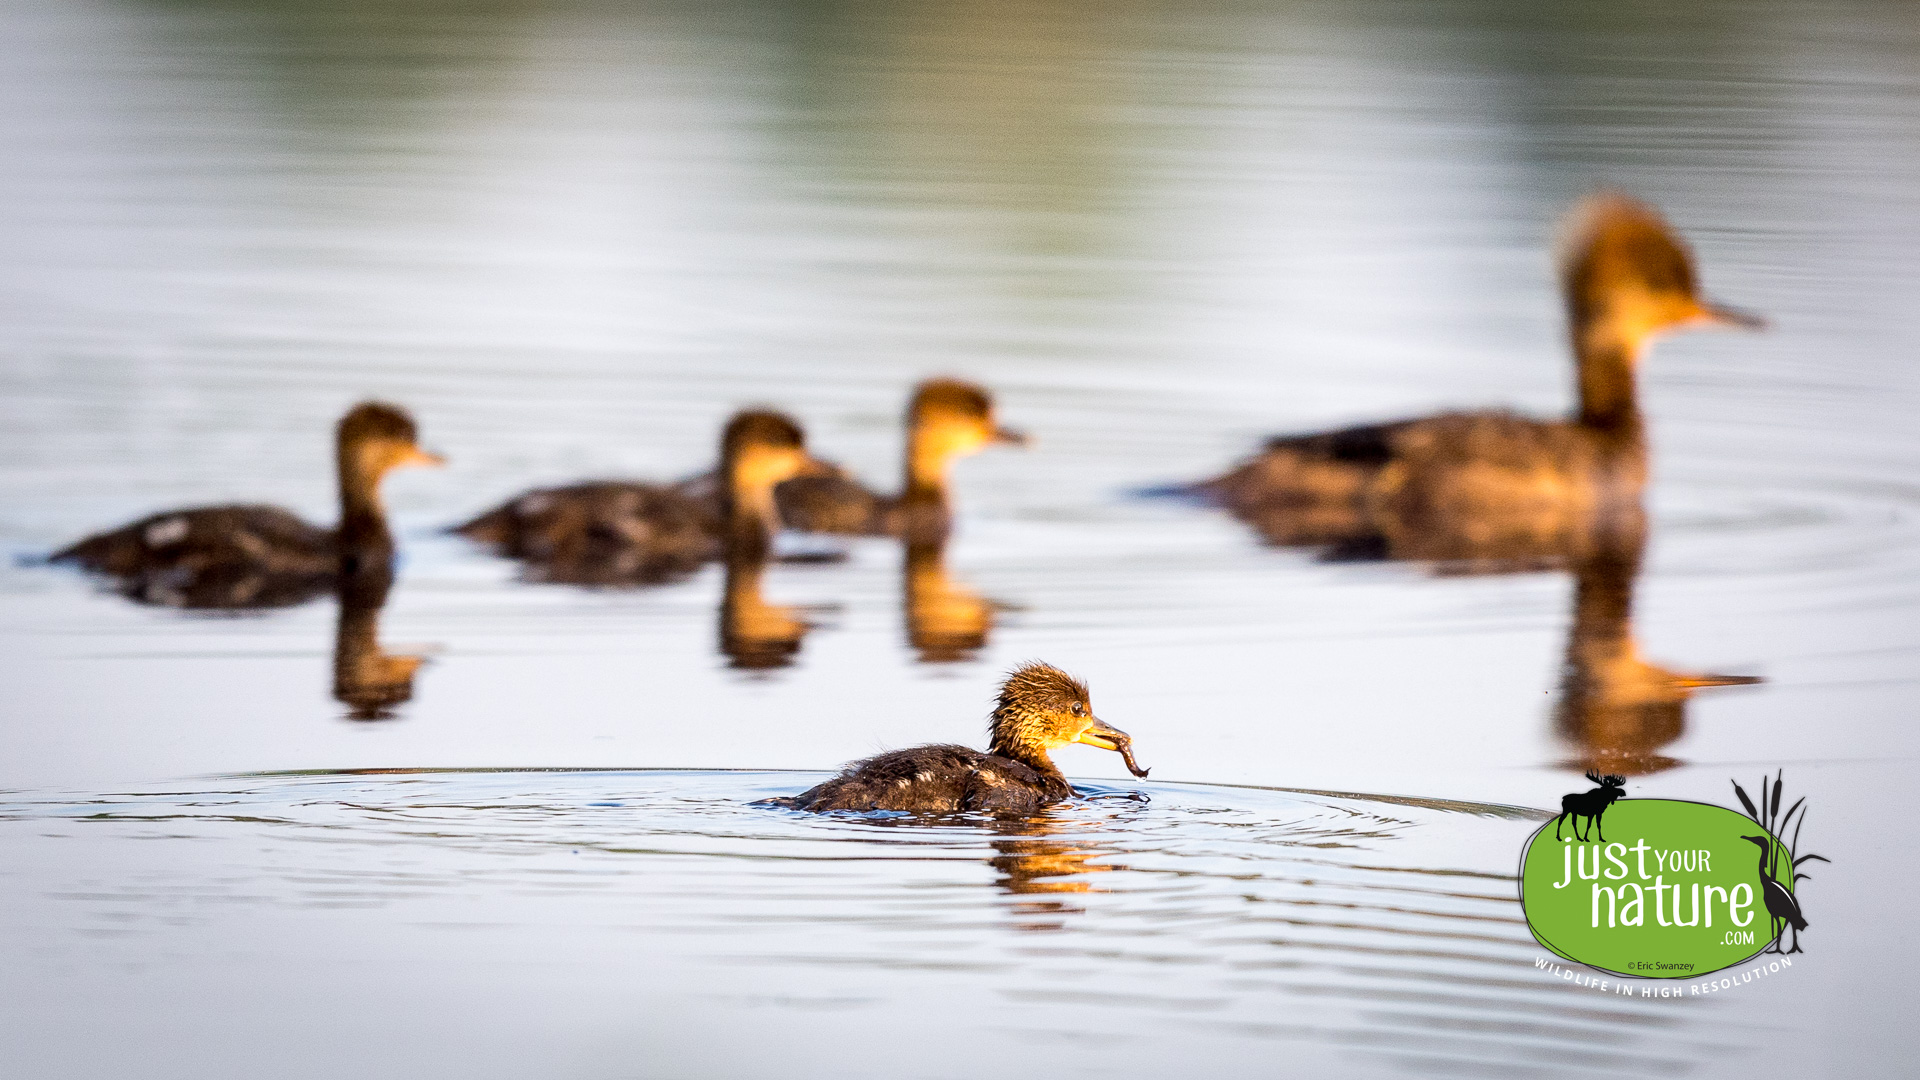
<point x="653" y="923"/>
<point x="572" y="237"/>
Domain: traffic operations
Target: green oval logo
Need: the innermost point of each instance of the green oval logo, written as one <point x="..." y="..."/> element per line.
<point x="1676" y="889"/>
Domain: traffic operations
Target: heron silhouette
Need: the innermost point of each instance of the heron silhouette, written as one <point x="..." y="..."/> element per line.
<point x="1780" y="903"/>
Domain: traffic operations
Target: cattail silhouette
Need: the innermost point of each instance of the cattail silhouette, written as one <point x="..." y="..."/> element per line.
<point x="1782" y="904"/>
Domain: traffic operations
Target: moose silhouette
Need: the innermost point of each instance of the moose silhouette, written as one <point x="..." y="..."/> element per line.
<point x="1590" y="805"/>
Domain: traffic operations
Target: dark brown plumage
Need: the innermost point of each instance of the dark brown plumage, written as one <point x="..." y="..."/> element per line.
<point x="250" y="556"/>
<point x="1039" y="709"/>
<point x="1492" y="487"/>
<point x="623" y="533"/>
<point x="945" y="419"/>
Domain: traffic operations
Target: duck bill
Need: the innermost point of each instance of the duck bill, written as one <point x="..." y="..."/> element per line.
<point x="417" y="456"/>
<point x="1107" y="737"/>
<point x="1701" y="680"/>
<point x="1010" y="437"/>
<point x="1728" y="318"/>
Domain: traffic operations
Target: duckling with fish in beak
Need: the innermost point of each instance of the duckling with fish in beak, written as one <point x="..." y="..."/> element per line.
<point x="1040" y="708"/>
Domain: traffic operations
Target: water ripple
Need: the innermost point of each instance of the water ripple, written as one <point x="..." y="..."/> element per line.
<point x="1216" y="919"/>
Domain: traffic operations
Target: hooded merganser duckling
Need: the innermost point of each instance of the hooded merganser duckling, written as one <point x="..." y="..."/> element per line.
<point x="617" y="532"/>
<point x="946" y="419"/>
<point x="1616" y="709"/>
<point x="263" y="556"/>
<point x="1040" y="708"/>
<point x="1493" y="484"/>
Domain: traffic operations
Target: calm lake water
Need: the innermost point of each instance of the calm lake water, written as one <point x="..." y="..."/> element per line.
<point x="573" y="237"/>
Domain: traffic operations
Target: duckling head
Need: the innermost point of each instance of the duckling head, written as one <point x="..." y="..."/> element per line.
<point x="946" y="419"/>
<point x="1042" y="708"/>
<point x="758" y="450"/>
<point x="373" y="439"/>
<point x="1628" y="276"/>
<point x="761" y="448"/>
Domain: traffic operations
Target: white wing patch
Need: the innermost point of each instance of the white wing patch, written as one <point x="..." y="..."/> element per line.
<point x="166" y="531"/>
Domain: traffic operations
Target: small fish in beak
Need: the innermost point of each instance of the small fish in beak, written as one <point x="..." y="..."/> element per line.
<point x="1107" y="737"/>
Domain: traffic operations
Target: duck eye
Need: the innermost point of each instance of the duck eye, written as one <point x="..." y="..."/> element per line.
<point x="1076" y="708"/>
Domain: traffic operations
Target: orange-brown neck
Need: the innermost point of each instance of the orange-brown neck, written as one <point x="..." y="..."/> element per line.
<point x="1607" y="358"/>
<point x="752" y="516"/>
<point x="363" y="521"/>
<point x="1011" y="741"/>
<point x="929" y="453"/>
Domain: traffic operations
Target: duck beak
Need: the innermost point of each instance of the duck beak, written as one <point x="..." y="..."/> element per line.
<point x="1728" y="318"/>
<point x="417" y="456"/>
<point x="1010" y="437"/>
<point x="1107" y="737"/>
<point x="1702" y="679"/>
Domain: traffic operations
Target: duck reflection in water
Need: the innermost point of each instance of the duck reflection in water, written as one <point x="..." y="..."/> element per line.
<point x="367" y="679"/>
<point x="626" y="533"/>
<point x="946" y="620"/>
<point x="1036" y="870"/>
<point x="1616" y="710"/>
<point x="756" y="635"/>
<point x="1492" y="490"/>
<point x="252" y="556"/>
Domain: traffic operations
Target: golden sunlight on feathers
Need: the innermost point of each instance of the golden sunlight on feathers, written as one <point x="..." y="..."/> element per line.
<point x="1040" y="709"/>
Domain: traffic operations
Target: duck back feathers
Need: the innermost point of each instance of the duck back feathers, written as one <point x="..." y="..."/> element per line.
<point x="214" y="557"/>
<point x="606" y="532"/>
<point x="941" y="778"/>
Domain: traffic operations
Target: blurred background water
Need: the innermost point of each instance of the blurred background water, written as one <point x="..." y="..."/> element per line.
<point x="572" y="237"/>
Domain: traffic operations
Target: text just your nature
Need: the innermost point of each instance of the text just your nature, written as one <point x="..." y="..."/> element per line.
<point x="1627" y="902"/>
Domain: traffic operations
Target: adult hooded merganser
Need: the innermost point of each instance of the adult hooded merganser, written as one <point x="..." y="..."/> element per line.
<point x="1040" y="708"/>
<point x="262" y="556"/>
<point x="946" y="419"/>
<point x="1492" y="485"/>
<point x="618" y="532"/>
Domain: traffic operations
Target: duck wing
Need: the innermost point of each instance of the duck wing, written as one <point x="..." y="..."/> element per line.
<point x="1495" y="491"/>
<point x="834" y="504"/>
<point x="1301" y="470"/>
<point x="239" y="556"/>
<point x="937" y="779"/>
<point x="1307" y="490"/>
<point x="1489" y="489"/>
<point x="603" y="533"/>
